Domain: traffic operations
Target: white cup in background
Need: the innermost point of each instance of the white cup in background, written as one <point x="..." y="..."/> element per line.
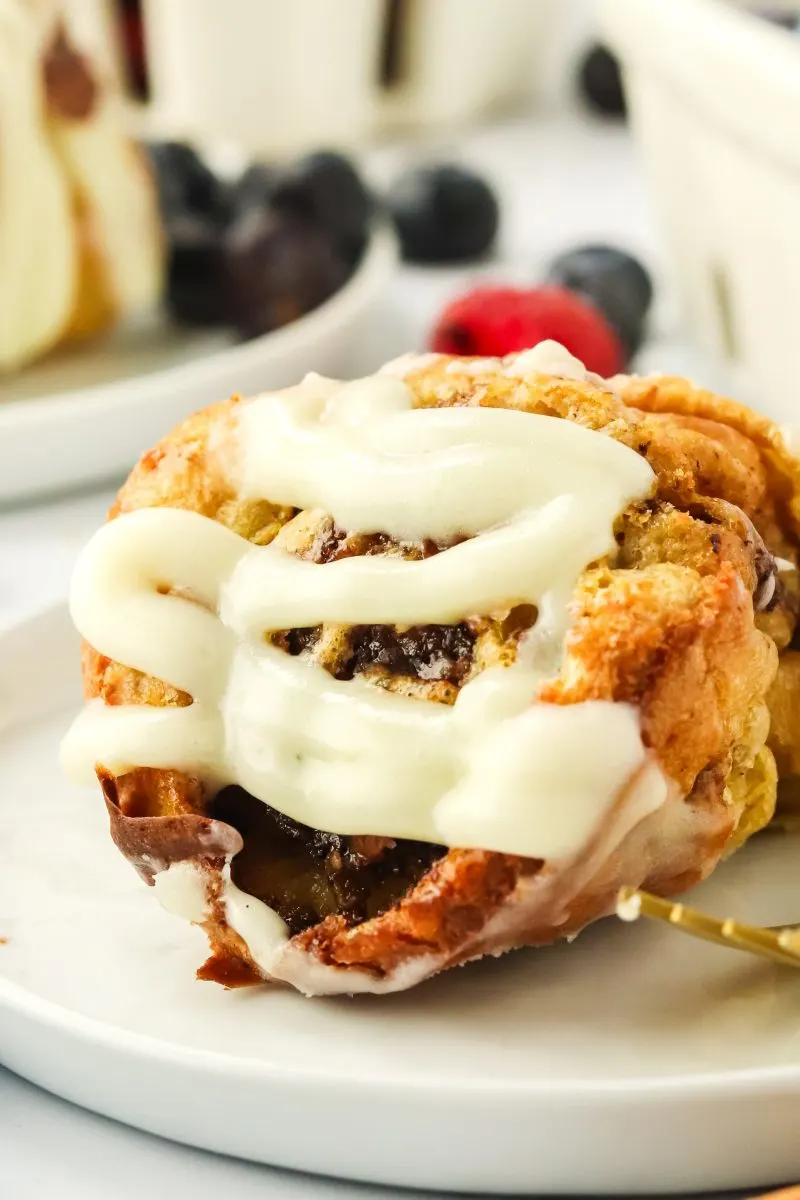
<point x="280" y="76"/>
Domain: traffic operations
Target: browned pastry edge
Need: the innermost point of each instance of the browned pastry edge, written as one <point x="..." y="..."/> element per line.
<point x="759" y="441"/>
<point x="684" y="649"/>
<point x="70" y="87"/>
<point x="151" y="844"/>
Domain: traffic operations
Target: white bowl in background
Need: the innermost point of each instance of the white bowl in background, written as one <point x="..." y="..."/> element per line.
<point x="714" y="94"/>
<point x="87" y="416"/>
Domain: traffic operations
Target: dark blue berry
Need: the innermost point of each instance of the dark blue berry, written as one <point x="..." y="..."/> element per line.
<point x="254" y="188"/>
<point x="443" y="214"/>
<point x="325" y="189"/>
<point x="600" y="81"/>
<point x="187" y="185"/>
<point x="614" y="281"/>
<point x="278" y="267"/>
<point x="195" y="289"/>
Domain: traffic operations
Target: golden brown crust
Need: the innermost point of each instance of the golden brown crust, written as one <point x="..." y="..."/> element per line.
<point x="784" y="705"/>
<point x="472" y="902"/>
<point x="697" y="443"/>
<point x="686" y="653"/>
<point x="756" y="448"/>
<point x="190" y="469"/>
<point x="668" y="627"/>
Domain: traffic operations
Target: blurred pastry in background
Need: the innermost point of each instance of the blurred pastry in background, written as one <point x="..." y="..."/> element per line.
<point x="80" y="234"/>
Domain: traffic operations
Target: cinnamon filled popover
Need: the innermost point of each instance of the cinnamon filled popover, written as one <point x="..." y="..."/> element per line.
<point x="389" y="675"/>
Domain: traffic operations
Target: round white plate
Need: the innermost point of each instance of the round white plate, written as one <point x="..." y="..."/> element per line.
<point x="632" y="1061"/>
<point x="85" y="416"/>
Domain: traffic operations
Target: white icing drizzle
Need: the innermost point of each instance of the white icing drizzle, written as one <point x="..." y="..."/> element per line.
<point x="262" y="929"/>
<point x="409" y="363"/>
<point x="181" y="890"/>
<point x="497" y="770"/>
<point x="473" y="366"/>
<point x="547" y="358"/>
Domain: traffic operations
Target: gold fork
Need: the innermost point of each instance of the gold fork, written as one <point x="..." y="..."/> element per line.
<point x="779" y="943"/>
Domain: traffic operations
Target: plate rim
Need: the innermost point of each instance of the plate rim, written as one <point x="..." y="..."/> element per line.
<point x="380" y="255"/>
<point x="732" y="1084"/>
<point x="739" y="1083"/>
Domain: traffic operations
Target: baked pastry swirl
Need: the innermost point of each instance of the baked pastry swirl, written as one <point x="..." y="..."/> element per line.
<point x="391" y="675"/>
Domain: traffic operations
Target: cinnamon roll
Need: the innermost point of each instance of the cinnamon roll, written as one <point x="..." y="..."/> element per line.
<point x="388" y="675"/>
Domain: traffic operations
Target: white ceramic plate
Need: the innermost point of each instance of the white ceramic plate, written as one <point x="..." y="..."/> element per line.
<point x="632" y="1061"/>
<point x="87" y="416"/>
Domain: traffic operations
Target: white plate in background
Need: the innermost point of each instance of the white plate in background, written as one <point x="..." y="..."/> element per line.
<point x="86" y="416"/>
<point x="633" y="1061"/>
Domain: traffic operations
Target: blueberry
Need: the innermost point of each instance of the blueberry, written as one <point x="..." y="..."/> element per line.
<point x="254" y="188"/>
<point x="278" y="267"/>
<point x="600" y="81"/>
<point x="443" y="214"/>
<point x="614" y="281"/>
<point x="187" y="185"/>
<point x="195" y="290"/>
<point x="325" y="189"/>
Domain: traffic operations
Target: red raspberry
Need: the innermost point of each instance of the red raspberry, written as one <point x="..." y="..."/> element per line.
<point x="493" y="321"/>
